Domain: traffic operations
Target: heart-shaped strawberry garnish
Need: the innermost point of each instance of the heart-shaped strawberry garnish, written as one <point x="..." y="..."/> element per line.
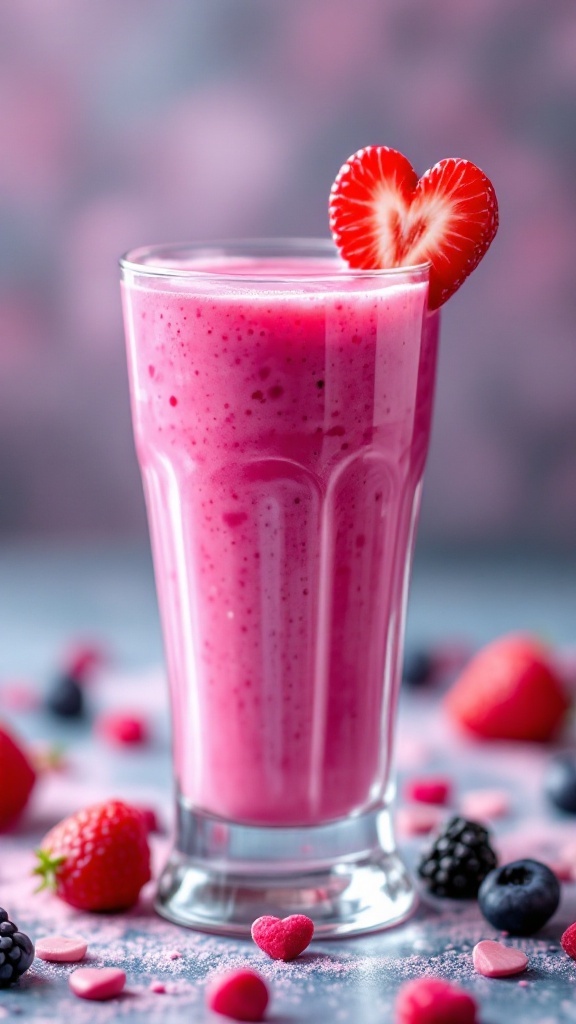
<point x="382" y="215"/>
<point x="283" y="939"/>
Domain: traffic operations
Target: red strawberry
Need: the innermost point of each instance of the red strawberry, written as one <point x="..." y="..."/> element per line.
<point x="433" y="1001"/>
<point x="568" y="941"/>
<point x="98" y="859"/>
<point x="509" y="690"/>
<point x="18" y="778"/>
<point x="382" y="216"/>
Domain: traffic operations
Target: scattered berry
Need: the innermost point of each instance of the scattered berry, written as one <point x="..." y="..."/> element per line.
<point x="18" y="778"/>
<point x="428" y="791"/>
<point x="381" y="216"/>
<point x="509" y="690"/>
<point x="240" y="994"/>
<point x="494" y="960"/>
<point x="98" y="859"/>
<point x="16" y="951"/>
<point x="485" y="804"/>
<point x="519" y="897"/>
<point x="59" y="949"/>
<point x="121" y="729"/>
<point x="433" y="1001"/>
<point x="66" y="699"/>
<point x="283" y="939"/>
<point x="97" y="982"/>
<point x="458" y="861"/>
<point x="560" y="782"/>
<point x="419" y="668"/>
<point x="568" y="941"/>
<point x="81" y="661"/>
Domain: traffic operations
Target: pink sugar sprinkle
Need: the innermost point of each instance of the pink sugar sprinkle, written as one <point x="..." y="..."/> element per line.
<point x="175" y="954"/>
<point x="158" y="986"/>
<point x="523" y="984"/>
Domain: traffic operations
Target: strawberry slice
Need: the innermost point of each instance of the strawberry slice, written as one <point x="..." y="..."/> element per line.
<point x="382" y="215"/>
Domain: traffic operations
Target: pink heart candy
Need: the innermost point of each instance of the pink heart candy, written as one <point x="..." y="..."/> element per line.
<point x="60" y="949"/>
<point x="494" y="960"/>
<point x="97" y="982"/>
<point x="283" y="939"/>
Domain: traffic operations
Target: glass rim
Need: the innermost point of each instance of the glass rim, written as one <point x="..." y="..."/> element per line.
<point x="134" y="261"/>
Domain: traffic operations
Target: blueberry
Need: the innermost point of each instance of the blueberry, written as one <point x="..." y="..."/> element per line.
<point x="560" y="782"/>
<point x="419" y="667"/>
<point x="519" y="897"/>
<point x="66" y="698"/>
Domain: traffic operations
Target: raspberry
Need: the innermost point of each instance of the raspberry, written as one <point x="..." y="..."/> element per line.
<point x="16" y="951"/>
<point x="123" y="729"/>
<point x="429" y="791"/>
<point x="458" y="861"/>
<point x="240" y="994"/>
<point x="432" y="1001"/>
<point x="568" y="941"/>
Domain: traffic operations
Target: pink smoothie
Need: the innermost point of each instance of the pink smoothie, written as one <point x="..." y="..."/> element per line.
<point x="282" y="429"/>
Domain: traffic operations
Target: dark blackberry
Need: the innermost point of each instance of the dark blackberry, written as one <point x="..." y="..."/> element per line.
<point x="419" y="667"/>
<point x="16" y="951"/>
<point x="66" y="699"/>
<point x="458" y="861"/>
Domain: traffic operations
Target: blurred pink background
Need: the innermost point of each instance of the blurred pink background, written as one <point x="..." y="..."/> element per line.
<point x="141" y="121"/>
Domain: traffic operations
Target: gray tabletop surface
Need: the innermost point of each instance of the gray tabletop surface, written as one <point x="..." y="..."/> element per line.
<point x="49" y="597"/>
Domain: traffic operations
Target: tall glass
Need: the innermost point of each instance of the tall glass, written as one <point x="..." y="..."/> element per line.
<point x="281" y="406"/>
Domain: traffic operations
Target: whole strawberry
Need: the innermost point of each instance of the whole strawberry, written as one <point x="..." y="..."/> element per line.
<point x="510" y="690"/>
<point x="18" y="778"/>
<point x="98" y="859"/>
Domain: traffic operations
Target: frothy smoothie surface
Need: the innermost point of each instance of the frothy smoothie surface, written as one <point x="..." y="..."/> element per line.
<point x="282" y="416"/>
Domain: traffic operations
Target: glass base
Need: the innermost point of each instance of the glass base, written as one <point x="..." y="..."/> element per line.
<point x="345" y="875"/>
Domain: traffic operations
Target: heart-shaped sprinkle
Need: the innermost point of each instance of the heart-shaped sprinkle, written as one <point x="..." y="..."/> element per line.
<point x="241" y="994"/>
<point x="494" y="960"/>
<point x="283" y="939"/>
<point x="97" y="982"/>
<point x="60" y="949"/>
<point x="383" y="216"/>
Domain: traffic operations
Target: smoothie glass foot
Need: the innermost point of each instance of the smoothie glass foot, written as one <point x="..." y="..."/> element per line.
<point x="345" y="875"/>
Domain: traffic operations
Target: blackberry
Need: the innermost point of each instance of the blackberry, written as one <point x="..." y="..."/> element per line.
<point x="458" y="861"/>
<point x="16" y="951"/>
<point x="66" y="699"/>
<point x="419" y="668"/>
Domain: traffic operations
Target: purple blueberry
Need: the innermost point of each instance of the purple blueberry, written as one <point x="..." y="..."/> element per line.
<point x="519" y="897"/>
<point x="560" y="782"/>
<point x="66" y="699"/>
